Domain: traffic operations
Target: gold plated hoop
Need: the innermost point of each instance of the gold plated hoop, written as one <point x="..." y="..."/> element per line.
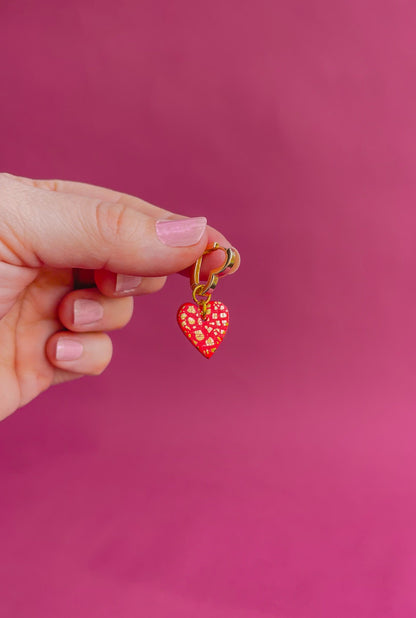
<point x="205" y="289"/>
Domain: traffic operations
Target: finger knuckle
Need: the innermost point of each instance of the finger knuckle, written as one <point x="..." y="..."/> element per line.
<point x="49" y="185"/>
<point x="113" y="222"/>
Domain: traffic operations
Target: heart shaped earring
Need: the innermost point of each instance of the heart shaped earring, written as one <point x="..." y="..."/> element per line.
<point x="203" y="322"/>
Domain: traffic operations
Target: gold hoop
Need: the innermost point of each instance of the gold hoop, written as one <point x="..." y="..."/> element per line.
<point x="206" y="288"/>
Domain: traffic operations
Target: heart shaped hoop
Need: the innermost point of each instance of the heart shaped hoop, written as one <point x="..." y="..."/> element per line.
<point x="204" y="290"/>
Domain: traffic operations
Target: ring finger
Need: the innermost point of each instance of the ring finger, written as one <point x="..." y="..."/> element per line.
<point x="88" y="310"/>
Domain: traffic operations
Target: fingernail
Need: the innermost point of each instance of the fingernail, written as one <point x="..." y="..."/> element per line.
<point x="181" y="232"/>
<point x="68" y="349"/>
<point x="87" y="311"/>
<point x="127" y="283"/>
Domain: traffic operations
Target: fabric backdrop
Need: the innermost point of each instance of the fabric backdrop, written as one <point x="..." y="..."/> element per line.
<point x="277" y="479"/>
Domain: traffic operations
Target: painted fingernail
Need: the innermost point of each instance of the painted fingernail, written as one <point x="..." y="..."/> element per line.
<point x="87" y="311"/>
<point x="181" y="232"/>
<point x="68" y="349"/>
<point x="127" y="283"/>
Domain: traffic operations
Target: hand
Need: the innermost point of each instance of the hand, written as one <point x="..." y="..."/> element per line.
<point x="72" y="255"/>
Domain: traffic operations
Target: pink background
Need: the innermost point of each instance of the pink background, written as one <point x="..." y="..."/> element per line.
<point x="277" y="479"/>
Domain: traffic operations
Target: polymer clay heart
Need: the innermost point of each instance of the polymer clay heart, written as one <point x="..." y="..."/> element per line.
<point x="205" y="333"/>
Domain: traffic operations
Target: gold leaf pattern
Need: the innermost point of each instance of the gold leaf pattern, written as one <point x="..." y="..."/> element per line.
<point x="205" y="333"/>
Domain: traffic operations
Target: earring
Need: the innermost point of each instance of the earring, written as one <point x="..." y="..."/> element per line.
<point x="203" y="322"/>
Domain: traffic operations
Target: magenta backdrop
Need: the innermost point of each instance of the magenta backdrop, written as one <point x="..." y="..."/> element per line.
<point x="277" y="479"/>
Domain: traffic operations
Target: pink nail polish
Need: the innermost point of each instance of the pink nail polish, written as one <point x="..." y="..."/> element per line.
<point x="181" y="232"/>
<point x="87" y="311"/>
<point x="127" y="283"/>
<point x="68" y="349"/>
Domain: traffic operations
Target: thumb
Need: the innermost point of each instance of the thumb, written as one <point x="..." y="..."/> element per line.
<point x="62" y="230"/>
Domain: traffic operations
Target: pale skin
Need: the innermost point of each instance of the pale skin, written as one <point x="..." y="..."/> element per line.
<point x="63" y="241"/>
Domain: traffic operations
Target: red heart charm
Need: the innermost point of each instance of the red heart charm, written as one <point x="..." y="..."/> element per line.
<point x="205" y="333"/>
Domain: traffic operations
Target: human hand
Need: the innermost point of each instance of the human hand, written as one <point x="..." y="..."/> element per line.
<point x="72" y="255"/>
